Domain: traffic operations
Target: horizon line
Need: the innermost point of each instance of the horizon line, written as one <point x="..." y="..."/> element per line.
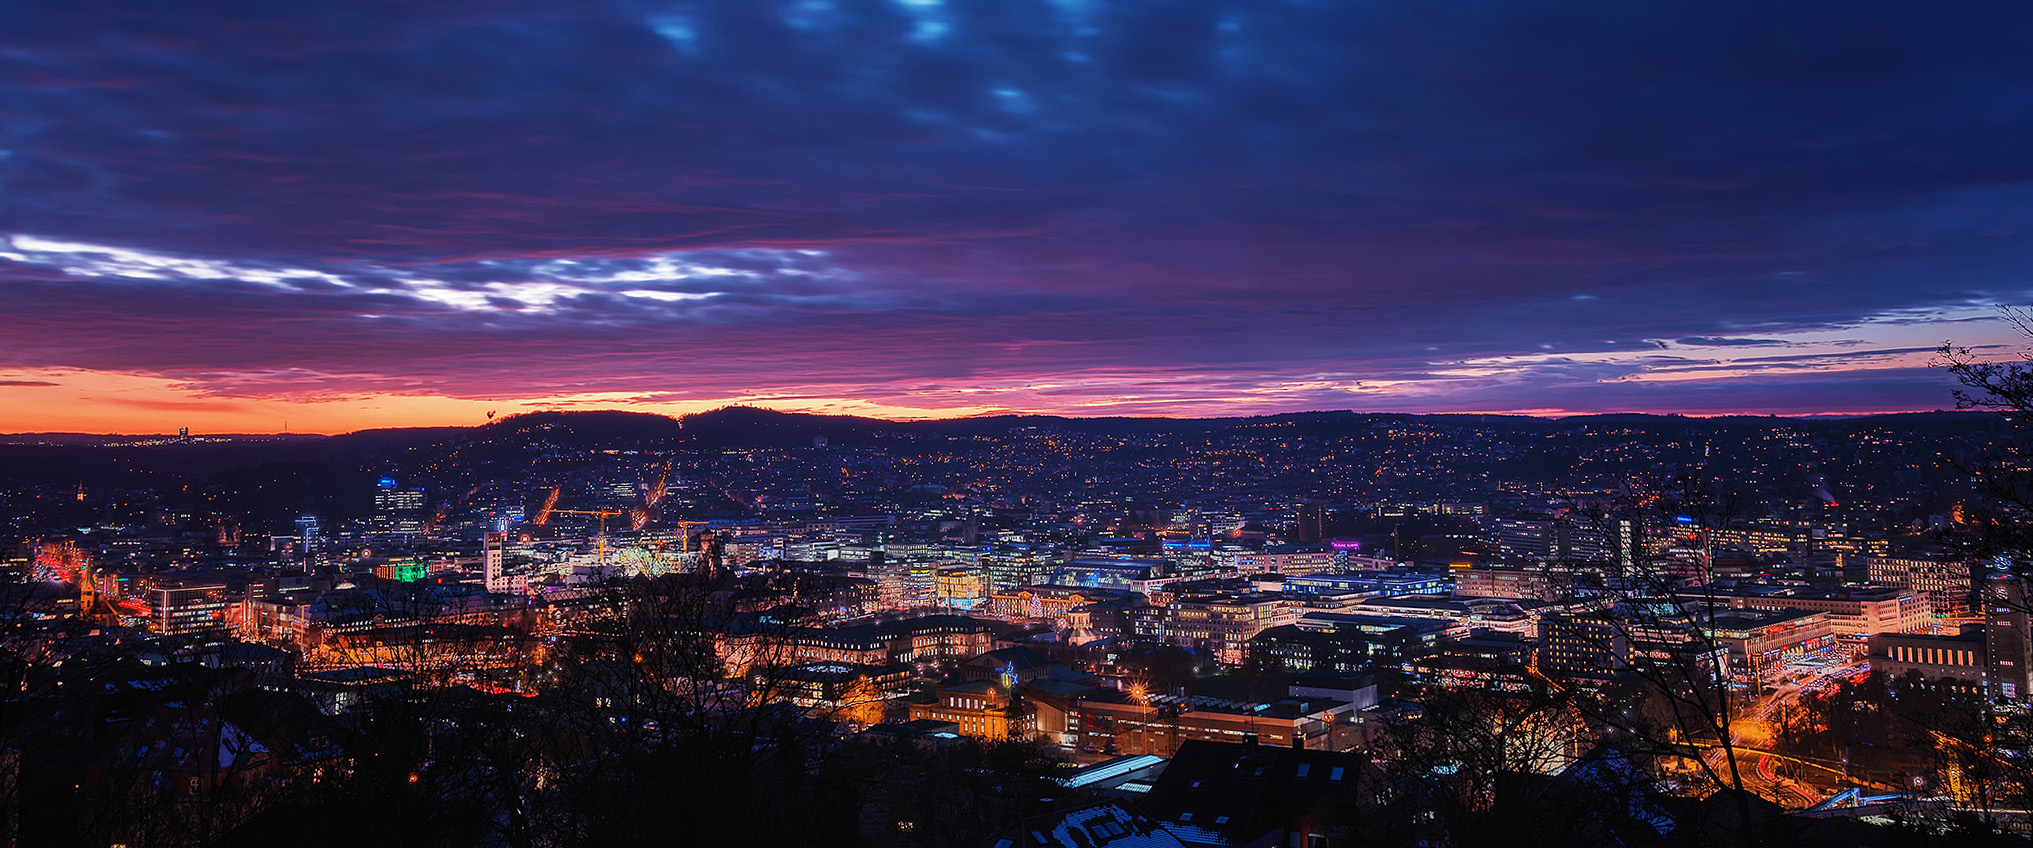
<point x="1550" y="415"/>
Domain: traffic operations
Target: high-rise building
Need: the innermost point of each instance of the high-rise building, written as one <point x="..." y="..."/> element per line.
<point x="493" y="566"/>
<point x="398" y="509"/>
<point x="1310" y="525"/>
<point x="2008" y="646"/>
<point x="1004" y="571"/>
<point x="306" y="535"/>
<point x="1628" y="537"/>
<point x="1565" y="539"/>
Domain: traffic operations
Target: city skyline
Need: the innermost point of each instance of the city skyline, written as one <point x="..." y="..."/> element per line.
<point x="326" y="218"/>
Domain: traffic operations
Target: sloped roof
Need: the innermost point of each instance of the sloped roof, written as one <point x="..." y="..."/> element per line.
<point x="1232" y="793"/>
<point x="1105" y="825"/>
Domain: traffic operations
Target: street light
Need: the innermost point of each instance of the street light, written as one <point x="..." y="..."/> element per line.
<point x="1142" y="696"/>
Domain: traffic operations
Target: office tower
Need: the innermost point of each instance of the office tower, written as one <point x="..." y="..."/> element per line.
<point x="2007" y="644"/>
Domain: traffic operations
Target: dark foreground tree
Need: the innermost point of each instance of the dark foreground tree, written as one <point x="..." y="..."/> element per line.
<point x="1997" y="522"/>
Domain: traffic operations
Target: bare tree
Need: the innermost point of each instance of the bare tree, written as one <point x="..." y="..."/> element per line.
<point x="1465" y="752"/>
<point x="1997" y="526"/>
<point x="1672" y="700"/>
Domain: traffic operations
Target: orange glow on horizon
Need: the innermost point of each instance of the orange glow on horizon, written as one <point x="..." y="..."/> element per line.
<point x="77" y="401"/>
<point x="69" y="401"/>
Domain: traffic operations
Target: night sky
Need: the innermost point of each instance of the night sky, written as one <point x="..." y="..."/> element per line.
<point x="332" y="215"/>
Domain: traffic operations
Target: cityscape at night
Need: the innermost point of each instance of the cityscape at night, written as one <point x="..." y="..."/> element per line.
<point x="1030" y="424"/>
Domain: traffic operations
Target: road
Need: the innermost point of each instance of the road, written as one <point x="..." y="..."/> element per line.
<point x="1754" y="730"/>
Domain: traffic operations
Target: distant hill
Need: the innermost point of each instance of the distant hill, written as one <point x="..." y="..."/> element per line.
<point x="77" y="457"/>
<point x="755" y="426"/>
<point x="591" y="429"/>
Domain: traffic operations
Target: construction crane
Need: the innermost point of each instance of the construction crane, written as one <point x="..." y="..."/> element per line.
<point x="656" y="562"/>
<point x="685" y="532"/>
<point x="1959" y="788"/>
<point x="604" y="515"/>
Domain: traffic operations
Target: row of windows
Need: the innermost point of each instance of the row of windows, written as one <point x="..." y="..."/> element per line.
<point x="1932" y="656"/>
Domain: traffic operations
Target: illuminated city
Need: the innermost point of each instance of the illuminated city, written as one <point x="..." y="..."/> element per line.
<point x="1767" y="603"/>
<point x="1047" y="424"/>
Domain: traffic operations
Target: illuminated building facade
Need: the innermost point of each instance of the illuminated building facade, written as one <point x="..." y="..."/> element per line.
<point x="1222" y="624"/>
<point x="1762" y="643"/>
<point x="1385" y="584"/>
<point x="1541" y="584"/>
<point x="959" y="585"/>
<point x="1958" y="661"/>
<point x="306" y="534"/>
<point x="1122" y="574"/>
<point x="931" y="639"/>
<point x="1852" y="612"/>
<point x="1046" y="603"/>
<point x="398" y="509"/>
<point x="834" y="685"/>
<point x="1292" y="560"/>
<point x="984" y="709"/>
<point x="1003" y="570"/>
<point x="1945" y="583"/>
<point x="1582" y="645"/>
<point x="1127" y="723"/>
<point x="402" y="569"/>
<point x="188" y="608"/>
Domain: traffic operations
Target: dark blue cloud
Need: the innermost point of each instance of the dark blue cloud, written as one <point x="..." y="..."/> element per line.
<point x="887" y="191"/>
<point x="1712" y="341"/>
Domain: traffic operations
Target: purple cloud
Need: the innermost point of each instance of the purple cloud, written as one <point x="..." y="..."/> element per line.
<point x="1246" y="205"/>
